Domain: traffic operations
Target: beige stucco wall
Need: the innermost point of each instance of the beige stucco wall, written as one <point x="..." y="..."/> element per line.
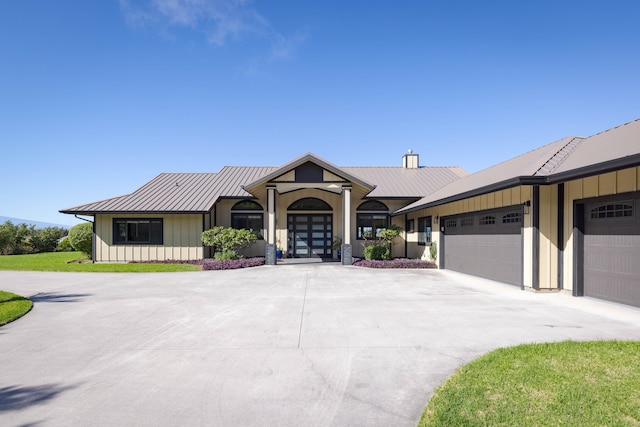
<point x="283" y="201"/>
<point x="622" y="181"/>
<point x="181" y="239"/>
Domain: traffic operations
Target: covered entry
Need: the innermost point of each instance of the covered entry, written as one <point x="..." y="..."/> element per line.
<point x="485" y="243"/>
<point x="609" y="248"/>
<point x="309" y="235"/>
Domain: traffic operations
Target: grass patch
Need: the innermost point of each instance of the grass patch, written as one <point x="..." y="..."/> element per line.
<point x="567" y="383"/>
<point x="12" y="307"/>
<point x="72" y="261"/>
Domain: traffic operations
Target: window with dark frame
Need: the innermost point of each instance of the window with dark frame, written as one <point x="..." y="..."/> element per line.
<point x="512" y="218"/>
<point x="424" y="230"/>
<point x="487" y="220"/>
<point x="252" y="221"/>
<point x="409" y="226"/>
<point x="612" y="210"/>
<point x="370" y="225"/>
<point x="136" y="231"/>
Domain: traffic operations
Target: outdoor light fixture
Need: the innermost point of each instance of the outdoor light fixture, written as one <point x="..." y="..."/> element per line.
<point x="435" y="220"/>
<point x="526" y="206"/>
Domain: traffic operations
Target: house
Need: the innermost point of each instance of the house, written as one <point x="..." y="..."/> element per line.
<point x="563" y="216"/>
<point x="303" y="207"/>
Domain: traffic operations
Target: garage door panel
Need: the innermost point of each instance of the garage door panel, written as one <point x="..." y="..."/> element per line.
<point x="611" y="250"/>
<point x="492" y="251"/>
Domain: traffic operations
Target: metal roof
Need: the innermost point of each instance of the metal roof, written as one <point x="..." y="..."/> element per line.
<point x="400" y="182"/>
<point x="533" y="165"/>
<point x="612" y="149"/>
<point x="167" y="192"/>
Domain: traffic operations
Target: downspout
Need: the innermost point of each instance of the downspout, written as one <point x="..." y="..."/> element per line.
<point x="93" y="236"/>
<point x="406" y="235"/>
<point x="535" y="237"/>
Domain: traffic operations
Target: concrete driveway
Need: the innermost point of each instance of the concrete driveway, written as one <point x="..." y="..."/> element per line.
<point x="314" y="344"/>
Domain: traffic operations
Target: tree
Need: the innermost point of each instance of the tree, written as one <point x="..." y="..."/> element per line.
<point x="46" y="239"/>
<point x="226" y="241"/>
<point x="81" y="238"/>
<point x="14" y="239"/>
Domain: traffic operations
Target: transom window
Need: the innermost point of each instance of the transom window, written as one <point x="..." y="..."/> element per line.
<point x="310" y="204"/>
<point x="512" y="218"/>
<point x="424" y="230"/>
<point x="612" y="210"/>
<point x="487" y="220"/>
<point x="129" y="231"/>
<point x="373" y="205"/>
<point x="246" y="205"/>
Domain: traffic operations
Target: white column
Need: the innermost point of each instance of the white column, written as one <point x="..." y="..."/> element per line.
<point x="270" y="255"/>
<point x="346" y="226"/>
<point x="346" y="215"/>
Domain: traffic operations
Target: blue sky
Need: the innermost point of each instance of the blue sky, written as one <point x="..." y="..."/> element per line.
<point x="98" y="97"/>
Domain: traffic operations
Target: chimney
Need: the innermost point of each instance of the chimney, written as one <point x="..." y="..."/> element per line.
<point x="410" y="160"/>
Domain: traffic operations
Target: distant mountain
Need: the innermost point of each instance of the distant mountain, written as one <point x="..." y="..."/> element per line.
<point x="38" y="224"/>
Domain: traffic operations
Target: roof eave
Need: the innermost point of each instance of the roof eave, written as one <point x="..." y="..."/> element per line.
<point x="498" y="186"/>
<point x="596" y="169"/>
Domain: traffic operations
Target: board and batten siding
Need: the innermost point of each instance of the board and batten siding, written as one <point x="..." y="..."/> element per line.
<point x="618" y="182"/>
<point x="181" y="239"/>
<point x="497" y="199"/>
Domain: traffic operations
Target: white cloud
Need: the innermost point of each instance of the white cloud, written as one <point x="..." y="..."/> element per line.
<point x="219" y="21"/>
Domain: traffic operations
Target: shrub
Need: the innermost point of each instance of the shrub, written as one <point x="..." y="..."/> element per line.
<point x="378" y="252"/>
<point x="395" y="263"/>
<point x="64" y="245"/>
<point x="224" y="239"/>
<point x="226" y="255"/>
<point x="211" y="264"/>
<point x="81" y="237"/>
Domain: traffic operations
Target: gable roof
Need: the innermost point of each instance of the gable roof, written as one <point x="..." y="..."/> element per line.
<point x="308" y="157"/>
<point x="167" y="192"/>
<point x="562" y="160"/>
<point x="612" y="149"/>
<point x="530" y="167"/>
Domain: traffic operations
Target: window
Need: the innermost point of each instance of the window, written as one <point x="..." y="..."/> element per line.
<point x="487" y="220"/>
<point x="612" y="210"/>
<point x="373" y="205"/>
<point x="309" y="204"/>
<point x="246" y="205"/>
<point x="252" y="221"/>
<point x="409" y="226"/>
<point x="370" y="225"/>
<point x="451" y="223"/>
<point x="137" y="231"/>
<point x="512" y="218"/>
<point x="466" y="222"/>
<point x="249" y="221"/>
<point x="424" y="230"/>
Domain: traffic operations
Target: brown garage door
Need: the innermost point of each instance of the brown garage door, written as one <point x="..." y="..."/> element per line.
<point x="486" y="244"/>
<point x="611" y="263"/>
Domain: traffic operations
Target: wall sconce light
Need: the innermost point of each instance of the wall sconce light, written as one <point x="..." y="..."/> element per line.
<point x="526" y="205"/>
<point x="435" y="220"/>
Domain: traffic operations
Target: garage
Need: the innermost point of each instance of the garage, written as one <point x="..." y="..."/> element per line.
<point x="610" y="252"/>
<point x="485" y="243"/>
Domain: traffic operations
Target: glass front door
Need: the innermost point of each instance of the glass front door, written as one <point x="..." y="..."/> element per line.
<point x="310" y="236"/>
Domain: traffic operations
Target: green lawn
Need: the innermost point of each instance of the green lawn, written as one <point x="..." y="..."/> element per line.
<point x="65" y="261"/>
<point x="12" y="306"/>
<point x="594" y="383"/>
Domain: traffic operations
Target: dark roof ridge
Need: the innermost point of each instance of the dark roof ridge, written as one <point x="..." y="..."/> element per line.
<point x="559" y="157"/>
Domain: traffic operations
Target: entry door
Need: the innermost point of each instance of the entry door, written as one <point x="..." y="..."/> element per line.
<point x="310" y="236"/>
